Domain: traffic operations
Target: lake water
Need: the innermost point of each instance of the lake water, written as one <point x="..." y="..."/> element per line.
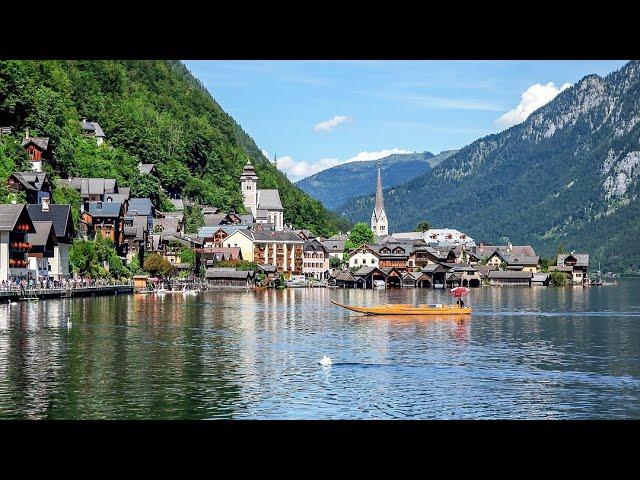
<point x="526" y="353"/>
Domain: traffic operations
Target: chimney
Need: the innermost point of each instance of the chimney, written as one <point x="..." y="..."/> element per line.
<point x="26" y="134"/>
<point x="509" y="247"/>
<point x="45" y="204"/>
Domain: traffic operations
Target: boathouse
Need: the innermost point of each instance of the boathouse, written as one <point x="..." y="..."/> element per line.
<point x="229" y="277"/>
<point x="348" y="280"/>
<point x="510" y="277"/>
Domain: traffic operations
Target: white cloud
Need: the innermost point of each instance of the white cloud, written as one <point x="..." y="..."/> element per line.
<point x="297" y="170"/>
<point x="330" y="124"/>
<point x="533" y="98"/>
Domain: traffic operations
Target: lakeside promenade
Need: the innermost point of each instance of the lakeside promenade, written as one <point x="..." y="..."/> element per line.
<point x="17" y="294"/>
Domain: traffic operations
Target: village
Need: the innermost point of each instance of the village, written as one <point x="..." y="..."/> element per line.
<point x="241" y="250"/>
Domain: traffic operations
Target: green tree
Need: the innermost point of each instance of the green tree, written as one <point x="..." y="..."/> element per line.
<point x="558" y="279"/>
<point x="361" y="233"/>
<point x="193" y="218"/>
<point x="335" y="262"/>
<point x="69" y="196"/>
<point x="423" y="227"/>
<point x="157" y="265"/>
<point x="560" y="249"/>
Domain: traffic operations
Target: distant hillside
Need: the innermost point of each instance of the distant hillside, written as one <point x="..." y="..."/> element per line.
<point x="341" y="183"/>
<point x="568" y="176"/>
<point x="153" y="112"/>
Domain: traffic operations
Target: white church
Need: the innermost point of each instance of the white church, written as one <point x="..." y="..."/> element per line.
<point x="264" y="205"/>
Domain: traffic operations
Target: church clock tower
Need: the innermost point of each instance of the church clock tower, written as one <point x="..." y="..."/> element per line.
<point x="249" y="188"/>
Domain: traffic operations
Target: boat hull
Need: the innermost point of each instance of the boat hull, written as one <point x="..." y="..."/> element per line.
<point x="400" y="309"/>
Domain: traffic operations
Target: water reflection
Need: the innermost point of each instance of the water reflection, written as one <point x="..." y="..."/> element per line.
<point x="525" y="353"/>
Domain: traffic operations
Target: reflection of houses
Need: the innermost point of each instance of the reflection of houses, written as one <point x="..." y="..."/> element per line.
<point x="229" y="277"/>
<point x="576" y="265"/>
<point x="36" y="185"/>
<point x="43" y="243"/>
<point x="38" y="150"/>
<point x="510" y="278"/>
<point x="60" y="216"/>
<point x="315" y="261"/>
<point x="15" y="224"/>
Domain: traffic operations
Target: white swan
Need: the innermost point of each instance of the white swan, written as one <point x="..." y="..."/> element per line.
<point x="325" y="361"/>
<point x="69" y="324"/>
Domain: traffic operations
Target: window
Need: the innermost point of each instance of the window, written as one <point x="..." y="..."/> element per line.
<point x="373" y="260"/>
<point x="355" y="260"/>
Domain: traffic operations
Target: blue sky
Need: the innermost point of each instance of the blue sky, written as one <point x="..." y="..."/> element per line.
<point x="316" y="114"/>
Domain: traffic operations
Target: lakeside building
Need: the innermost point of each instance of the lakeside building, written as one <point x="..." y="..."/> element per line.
<point x="512" y="261"/>
<point x="379" y="222"/>
<point x="510" y="277"/>
<point x="574" y="265"/>
<point x="315" y="260"/>
<point x="264" y="205"/>
<point x="60" y="217"/>
<point x="15" y="225"/>
<point x="438" y="237"/>
<point x="229" y="277"/>
<point x="43" y="243"/>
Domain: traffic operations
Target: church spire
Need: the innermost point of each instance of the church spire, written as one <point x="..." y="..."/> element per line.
<point x="379" y="197"/>
<point x="379" y="223"/>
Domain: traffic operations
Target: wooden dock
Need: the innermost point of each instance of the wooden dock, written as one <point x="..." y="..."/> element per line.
<point x="51" y="293"/>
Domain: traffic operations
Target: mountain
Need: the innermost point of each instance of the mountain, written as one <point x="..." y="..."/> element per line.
<point x="151" y="112"/>
<point x="568" y="175"/>
<point x="337" y="185"/>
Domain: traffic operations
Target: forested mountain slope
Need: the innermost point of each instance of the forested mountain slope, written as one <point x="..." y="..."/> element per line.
<point x="152" y="112"/>
<point x="337" y="185"/>
<point x="567" y="176"/>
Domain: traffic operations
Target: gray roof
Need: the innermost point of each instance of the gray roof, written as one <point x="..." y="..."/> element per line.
<point x="168" y="224"/>
<point x="31" y="180"/>
<point x="276" y="236"/>
<point x="9" y="215"/>
<point x="60" y="215"/>
<point x="41" y="142"/>
<point x="90" y="186"/>
<point x="227" y="273"/>
<point x="213" y="219"/>
<point x="314" y="245"/>
<point x="116" y="197"/>
<point x="109" y="209"/>
<point x="92" y="127"/>
<point x="539" y="277"/>
<point x="334" y="245"/>
<point x="517" y="259"/>
<point x="43" y="231"/>
<point x="582" y="259"/>
<point x="140" y="206"/>
<point x="138" y="228"/>
<point x="145" y="168"/>
<point x="269" y="200"/>
<point x="178" y="204"/>
<point x="509" y="274"/>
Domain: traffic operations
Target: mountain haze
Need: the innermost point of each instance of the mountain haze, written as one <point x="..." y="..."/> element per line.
<point x="337" y="185"/>
<point x="568" y="175"/>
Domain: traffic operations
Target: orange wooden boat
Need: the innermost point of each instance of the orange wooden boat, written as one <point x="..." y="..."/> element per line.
<point x="408" y="309"/>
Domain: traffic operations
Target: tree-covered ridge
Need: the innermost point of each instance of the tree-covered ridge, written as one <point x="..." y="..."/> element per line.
<point x="568" y="174"/>
<point x="151" y="112"/>
<point x="342" y="183"/>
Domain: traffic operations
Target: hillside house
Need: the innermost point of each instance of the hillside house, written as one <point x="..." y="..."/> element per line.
<point x="264" y="205"/>
<point x="38" y="150"/>
<point x="43" y="243"/>
<point x="36" y="186"/>
<point x="92" y="129"/>
<point x="106" y="219"/>
<point x="578" y="263"/>
<point x="335" y="245"/>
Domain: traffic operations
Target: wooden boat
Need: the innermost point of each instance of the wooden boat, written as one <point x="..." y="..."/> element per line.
<point x="408" y="309"/>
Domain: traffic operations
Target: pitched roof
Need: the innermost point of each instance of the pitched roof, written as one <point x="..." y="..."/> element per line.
<point x="582" y="259"/>
<point x="314" y="245"/>
<point x="498" y="274"/>
<point x="288" y="236"/>
<point x="146" y="168"/>
<point x="178" y="204"/>
<point x="31" y="180"/>
<point x="44" y="230"/>
<point x="334" y="245"/>
<point x="107" y="209"/>
<point x="140" y="206"/>
<point x="9" y="215"/>
<point x="60" y="215"/>
<point x="227" y="273"/>
<point x="92" y="127"/>
<point x="269" y="200"/>
<point x="90" y="186"/>
<point x="41" y="142"/>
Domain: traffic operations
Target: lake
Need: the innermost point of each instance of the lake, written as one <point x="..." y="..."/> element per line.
<point x="525" y="353"/>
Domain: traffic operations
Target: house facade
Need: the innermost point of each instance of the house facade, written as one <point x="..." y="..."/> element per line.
<point x="364" y="255"/>
<point x="577" y="263"/>
<point x="315" y="261"/>
<point x="60" y="216"/>
<point x="38" y="150"/>
<point x="15" y="226"/>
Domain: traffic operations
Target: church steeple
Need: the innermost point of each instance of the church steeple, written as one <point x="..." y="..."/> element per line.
<point x="379" y="224"/>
